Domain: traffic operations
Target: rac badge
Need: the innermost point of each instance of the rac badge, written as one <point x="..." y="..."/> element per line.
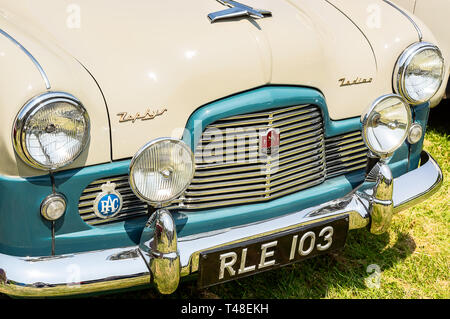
<point x="109" y="202"/>
<point x="269" y="142"/>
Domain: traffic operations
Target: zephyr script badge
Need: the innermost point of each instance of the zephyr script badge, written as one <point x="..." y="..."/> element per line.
<point x="237" y="10"/>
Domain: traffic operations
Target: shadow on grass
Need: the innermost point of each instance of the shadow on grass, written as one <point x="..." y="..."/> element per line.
<point x="438" y="119"/>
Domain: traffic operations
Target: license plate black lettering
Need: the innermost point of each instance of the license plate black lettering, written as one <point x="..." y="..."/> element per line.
<point x="262" y="254"/>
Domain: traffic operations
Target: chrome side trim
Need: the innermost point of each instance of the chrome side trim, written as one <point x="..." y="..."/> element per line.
<point x="32" y="58"/>
<point x="419" y="32"/>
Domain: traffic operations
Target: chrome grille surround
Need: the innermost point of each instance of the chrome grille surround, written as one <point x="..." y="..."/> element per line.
<point x="239" y="175"/>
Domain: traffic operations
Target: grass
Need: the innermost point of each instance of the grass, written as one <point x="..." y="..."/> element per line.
<point x="413" y="256"/>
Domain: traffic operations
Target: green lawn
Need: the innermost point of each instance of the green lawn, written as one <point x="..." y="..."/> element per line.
<point x="413" y="256"/>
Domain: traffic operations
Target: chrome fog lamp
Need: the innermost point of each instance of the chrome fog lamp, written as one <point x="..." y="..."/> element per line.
<point x="161" y="170"/>
<point x="51" y="130"/>
<point x="53" y="207"/>
<point x="386" y="124"/>
<point x="419" y="72"/>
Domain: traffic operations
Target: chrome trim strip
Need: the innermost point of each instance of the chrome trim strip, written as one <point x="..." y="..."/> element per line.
<point x="32" y="58"/>
<point x="419" y="32"/>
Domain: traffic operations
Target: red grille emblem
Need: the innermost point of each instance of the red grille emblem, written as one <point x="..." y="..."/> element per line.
<point x="269" y="142"/>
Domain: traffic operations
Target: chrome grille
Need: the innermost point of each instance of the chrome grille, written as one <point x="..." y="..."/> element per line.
<point x="305" y="159"/>
<point x="345" y="153"/>
<point x="238" y="175"/>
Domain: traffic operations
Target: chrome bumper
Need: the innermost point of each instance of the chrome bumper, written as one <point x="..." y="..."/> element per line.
<point x="162" y="258"/>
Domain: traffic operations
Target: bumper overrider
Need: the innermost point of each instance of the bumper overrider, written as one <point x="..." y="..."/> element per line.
<point x="162" y="258"/>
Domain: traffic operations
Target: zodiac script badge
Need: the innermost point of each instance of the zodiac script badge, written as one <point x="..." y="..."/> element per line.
<point x="109" y="202"/>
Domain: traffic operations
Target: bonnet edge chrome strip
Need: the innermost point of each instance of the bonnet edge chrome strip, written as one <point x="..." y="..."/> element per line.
<point x="419" y="32"/>
<point x="32" y="58"/>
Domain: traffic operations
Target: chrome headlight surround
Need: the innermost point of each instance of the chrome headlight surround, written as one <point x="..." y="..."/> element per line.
<point x="30" y="109"/>
<point x="386" y="139"/>
<point x="166" y="172"/>
<point x="401" y="67"/>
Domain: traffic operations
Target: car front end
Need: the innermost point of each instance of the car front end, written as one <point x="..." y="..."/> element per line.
<point x="142" y="151"/>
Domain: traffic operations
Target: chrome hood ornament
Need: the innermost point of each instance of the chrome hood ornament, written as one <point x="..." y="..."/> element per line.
<point x="237" y="10"/>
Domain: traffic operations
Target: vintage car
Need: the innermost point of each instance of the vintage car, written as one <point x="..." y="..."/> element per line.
<point x="144" y="141"/>
<point x="434" y="13"/>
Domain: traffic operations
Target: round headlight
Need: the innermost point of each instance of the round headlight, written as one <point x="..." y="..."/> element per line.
<point x="51" y="130"/>
<point x="161" y="170"/>
<point x="386" y="124"/>
<point x="419" y="72"/>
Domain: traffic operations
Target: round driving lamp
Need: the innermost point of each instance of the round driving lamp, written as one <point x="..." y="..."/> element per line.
<point x="386" y="124"/>
<point x="419" y="72"/>
<point x="51" y="131"/>
<point x="53" y="207"/>
<point x="415" y="133"/>
<point x="161" y="170"/>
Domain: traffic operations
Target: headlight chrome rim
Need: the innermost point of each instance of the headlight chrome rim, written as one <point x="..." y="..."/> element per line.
<point x="137" y="156"/>
<point x="31" y="108"/>
<point x="401" y="66"/>
<point x="365" y="118"/>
